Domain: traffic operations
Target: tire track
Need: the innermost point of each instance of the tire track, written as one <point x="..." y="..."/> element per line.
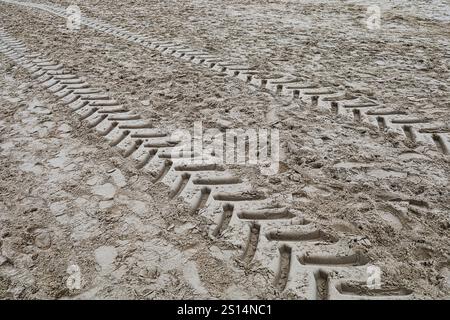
<point x="270" y="234"/>
<point x="343" y="104"/>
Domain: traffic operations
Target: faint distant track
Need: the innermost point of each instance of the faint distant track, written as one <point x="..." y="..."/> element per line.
<point x="271" y="234"/>
<point x="360" y="109"/>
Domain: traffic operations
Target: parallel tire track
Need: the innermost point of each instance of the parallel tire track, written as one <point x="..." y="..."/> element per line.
<point x="417" y="130"/>
<point x="268" y="234"/>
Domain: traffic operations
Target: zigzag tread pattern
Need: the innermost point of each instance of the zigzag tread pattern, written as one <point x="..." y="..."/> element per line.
<point x="267" y="233"/>
<point x="362" y="110"/>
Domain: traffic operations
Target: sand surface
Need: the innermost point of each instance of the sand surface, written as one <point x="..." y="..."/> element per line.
<point x="350" y="194"/>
